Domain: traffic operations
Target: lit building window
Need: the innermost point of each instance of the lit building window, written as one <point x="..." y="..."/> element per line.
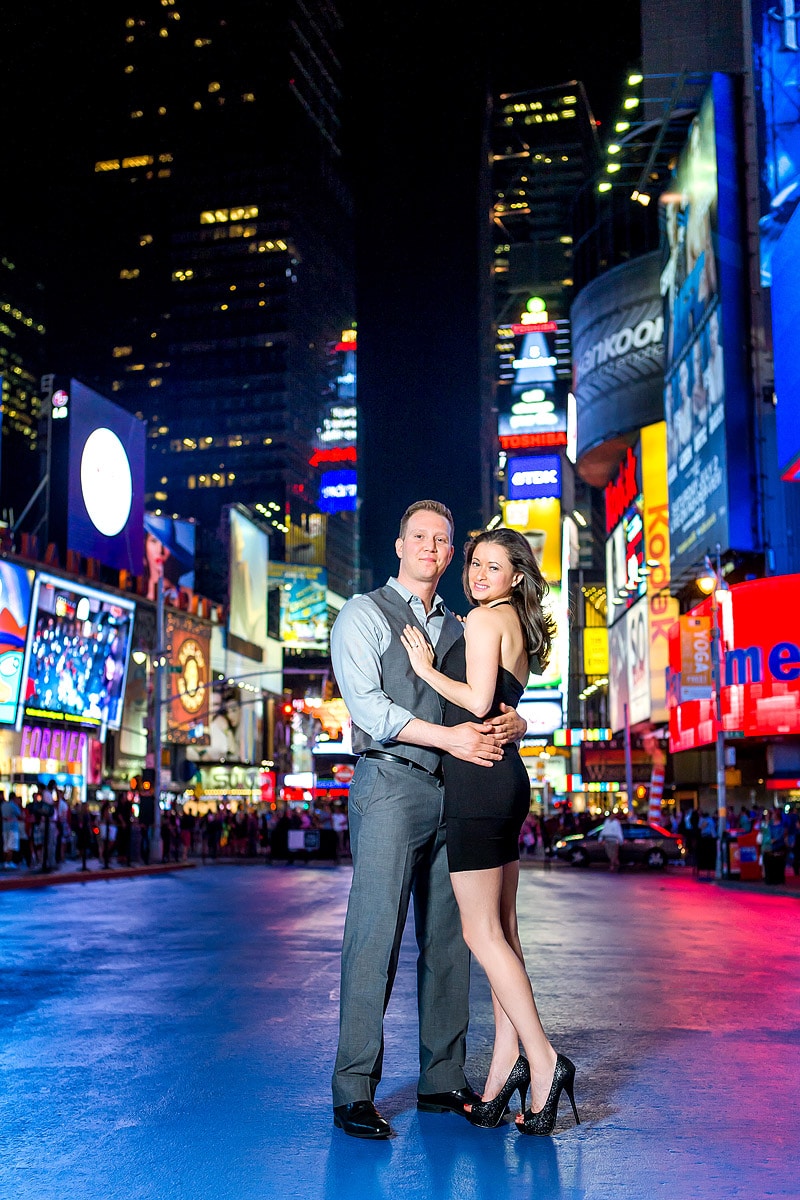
<point x="129" y="69"/>
<point x="146" y="239"/>
<point x="214" y="87"/>
<point x="181" y="275"/>
<point x="155" y="382"/>
<point x="122" y="351"/>
<point x="135" y="367"/>
<point x="162" y="112"/>
<point x="164" y="173"/>
<point x="248" y="97"/>
<point x="165" y="158"/>
<point x="161" y="495"/>
<point x="108" y="164"/>
<point x="138" y="160"/>
<point x="136" y="113"/>
<point x="163" y="33"/>
<point x="129" y="23"/>
<point x="129" y="273"/>
<point x="197" y="106"/>
<point x="200" y="42"/>
<point x="191" y="482"/>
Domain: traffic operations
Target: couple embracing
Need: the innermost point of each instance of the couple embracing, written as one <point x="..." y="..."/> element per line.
<point x="432" y="703"/>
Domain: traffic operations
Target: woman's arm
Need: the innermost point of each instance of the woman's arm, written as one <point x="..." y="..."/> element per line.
<point x="483" y="633"/>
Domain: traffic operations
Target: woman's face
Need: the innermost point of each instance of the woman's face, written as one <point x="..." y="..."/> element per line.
<point x="155" y="554"/>
<point x="490" y="573"/>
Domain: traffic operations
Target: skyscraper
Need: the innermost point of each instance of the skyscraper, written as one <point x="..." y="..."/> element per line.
<point x="227" y="255"/>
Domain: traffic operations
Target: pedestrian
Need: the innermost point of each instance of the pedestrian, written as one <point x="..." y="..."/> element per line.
<point x="528" y="835"/>
<point x="706" y="843"/>
<point x="61" y="819"/>
<point x="612" y="837"/>
<point x="108" y="833"/>
<point x="339" y="826"/>
<point x="84" y="834"/>
<point x="397" y="835"/>
<point x="507" y="636"/>
<point x="11" y="816"/>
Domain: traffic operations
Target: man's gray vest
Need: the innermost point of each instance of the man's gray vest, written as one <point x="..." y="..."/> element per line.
<point x="400" y="682"/>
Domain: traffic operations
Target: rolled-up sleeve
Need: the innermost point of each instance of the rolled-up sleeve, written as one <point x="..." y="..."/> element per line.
<point x="358" y="639"/>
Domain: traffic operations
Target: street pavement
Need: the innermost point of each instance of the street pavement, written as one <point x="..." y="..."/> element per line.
<point x="171" y="1036"/>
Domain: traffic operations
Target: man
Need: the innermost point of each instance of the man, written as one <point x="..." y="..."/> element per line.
<point x="611" y="836"/>
<point x="397" y="830"/>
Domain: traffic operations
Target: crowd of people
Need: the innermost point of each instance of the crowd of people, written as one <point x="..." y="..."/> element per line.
<point x="49" y="831"/>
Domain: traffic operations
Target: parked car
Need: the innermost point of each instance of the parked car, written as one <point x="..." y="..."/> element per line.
<point x="644" y="843"/>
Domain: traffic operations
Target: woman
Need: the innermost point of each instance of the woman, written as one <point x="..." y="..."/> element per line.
<point x="505" y="637"/>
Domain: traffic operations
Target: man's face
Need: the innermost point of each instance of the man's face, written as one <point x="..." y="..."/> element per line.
<point x="425" y="550"/>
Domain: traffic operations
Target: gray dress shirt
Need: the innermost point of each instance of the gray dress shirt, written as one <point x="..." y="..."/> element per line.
<point x="360" y="637"/>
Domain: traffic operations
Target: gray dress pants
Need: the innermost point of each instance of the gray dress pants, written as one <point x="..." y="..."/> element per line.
<point x="398" y="848"/>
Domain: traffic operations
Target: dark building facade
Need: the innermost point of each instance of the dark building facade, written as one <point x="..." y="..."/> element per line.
<point x="22" y="361"/>
<point x="228" y="264"/>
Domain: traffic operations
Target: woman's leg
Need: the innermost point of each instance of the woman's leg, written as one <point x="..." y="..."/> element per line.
<point x="484" y="903"/>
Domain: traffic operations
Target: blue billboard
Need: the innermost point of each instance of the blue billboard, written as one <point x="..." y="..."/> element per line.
<point x="338" y="491"/>
<point x="534" y="477"/>
<point x="706" y="393"/>
<point x="776" y="73"/>
<point x="785" y="324"/>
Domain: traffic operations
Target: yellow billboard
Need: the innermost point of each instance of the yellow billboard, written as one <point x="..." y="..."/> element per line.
<point x="540" y="521"/>
<point x="662" y="607"/>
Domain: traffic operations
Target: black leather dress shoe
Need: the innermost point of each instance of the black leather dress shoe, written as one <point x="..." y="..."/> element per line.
<point x="439" y="1102"/>
<point x="361" y="1119"/>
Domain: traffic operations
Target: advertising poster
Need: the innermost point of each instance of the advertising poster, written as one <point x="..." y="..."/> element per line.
<point x="618" y="336"/>
<point x="694" y="389"/>
<point x="106" y="482"/>
<point x="629" y="660"/>
<point x="249" y="555"/>
<point x="189" y="652"/>
<point x="662" y="607"/>
<point x="776" y="75"/>
<point x="16" y="584"/>
<point x="696" y="669"/>
<point x="540" y="522"/>
<point x="303" y="605"/>
<point x="595" y="650"/>
<point x="169" y="549"/>
<point x="77" y="659"/>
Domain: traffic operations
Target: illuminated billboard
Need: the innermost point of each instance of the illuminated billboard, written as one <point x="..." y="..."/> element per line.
<point x="618" y="348"/>
<point x="303" y="605"/>
<point x="97" y="478"/>
<point x="760" y="695"/>
<point x="169" y="550"/>
<point x="785" y="317"/>
<point x="777" y="79"/>
<point x="188" y="643"/>
<point x="16" y="584"/>
<point x="77" y="657"/>
<point x="338" y="491"/>
<point x="247" y="584"/>
<point x="540" y="522"/>
<point x="534" y="477"/>
<point x="706" y="394"/>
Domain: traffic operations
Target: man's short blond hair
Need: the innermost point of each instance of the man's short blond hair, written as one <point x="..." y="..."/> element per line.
<point x="433" y="506"/>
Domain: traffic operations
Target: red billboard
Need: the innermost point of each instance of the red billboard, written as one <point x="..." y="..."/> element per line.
<point x="760" y="666"/>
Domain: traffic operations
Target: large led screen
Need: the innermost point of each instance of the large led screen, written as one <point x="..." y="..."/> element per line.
<point x="249" y="555"/>
<point x="16" y="584"/>
<point x="303" y="605"/>
<point x="106" y="480"/>
<point x="777" y="79"/>
<point x="77" y="657"/>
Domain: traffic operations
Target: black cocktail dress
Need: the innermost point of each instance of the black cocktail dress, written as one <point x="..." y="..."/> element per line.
<point x="484" y="806"/>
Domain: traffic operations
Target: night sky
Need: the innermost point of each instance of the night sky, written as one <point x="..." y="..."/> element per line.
<point x="417" y="79"/>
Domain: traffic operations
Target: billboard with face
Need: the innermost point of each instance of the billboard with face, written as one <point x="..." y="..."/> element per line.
<point x="169" y="548"/>
<point x="705" y="392"/>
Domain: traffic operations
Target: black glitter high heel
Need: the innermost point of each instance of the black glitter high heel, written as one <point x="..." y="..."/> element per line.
<point x="489" y="1113"/>
<point x="543" y="1122"/>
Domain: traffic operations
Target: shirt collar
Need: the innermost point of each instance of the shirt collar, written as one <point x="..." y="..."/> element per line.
<point x="437" y="605"/>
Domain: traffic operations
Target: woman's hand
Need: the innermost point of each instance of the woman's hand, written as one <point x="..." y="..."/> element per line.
<point x="419" y="649"/>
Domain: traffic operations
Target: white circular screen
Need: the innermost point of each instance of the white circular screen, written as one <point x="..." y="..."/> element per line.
<point x="106" y="482"/>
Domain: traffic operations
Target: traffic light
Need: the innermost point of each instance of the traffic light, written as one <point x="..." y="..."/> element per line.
<point x="640" y="791"/>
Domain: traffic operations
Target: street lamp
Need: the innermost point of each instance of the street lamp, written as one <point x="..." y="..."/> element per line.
<point x="713" y="572"/>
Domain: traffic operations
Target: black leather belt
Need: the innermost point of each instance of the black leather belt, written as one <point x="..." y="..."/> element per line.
<point x="403" y="762"/>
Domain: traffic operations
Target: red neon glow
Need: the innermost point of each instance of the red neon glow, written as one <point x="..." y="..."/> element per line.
<point x="526" y="441"/>
<point x="333" y="455"/>
<point x="542" y="327"/>
<point x="344" y="346"/>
